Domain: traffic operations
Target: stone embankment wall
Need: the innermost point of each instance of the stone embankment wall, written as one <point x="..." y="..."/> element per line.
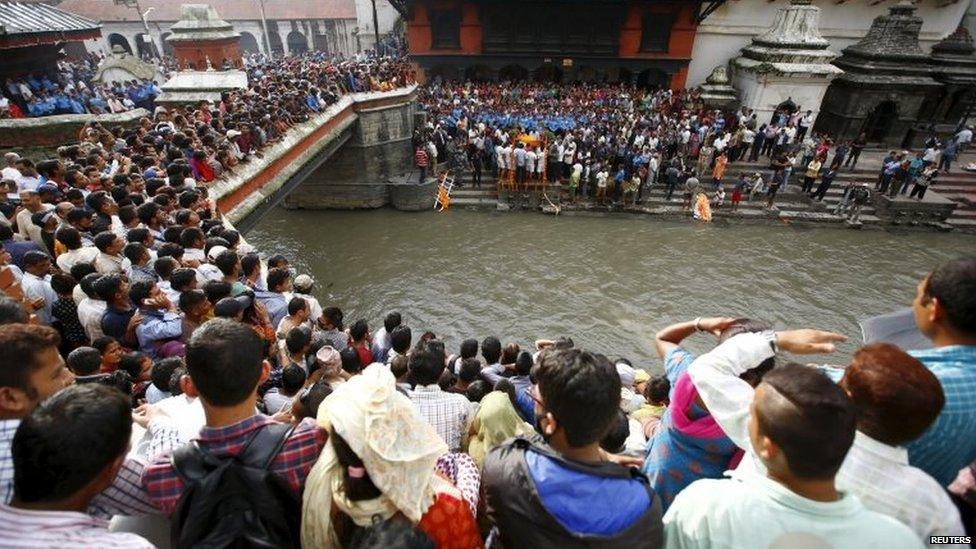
<point x="359" y="175"/>
<point x="62" y="129"/>
<point x="374" y="130"/>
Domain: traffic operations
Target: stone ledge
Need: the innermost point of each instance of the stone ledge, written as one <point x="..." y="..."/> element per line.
<point x="61" y="129"/>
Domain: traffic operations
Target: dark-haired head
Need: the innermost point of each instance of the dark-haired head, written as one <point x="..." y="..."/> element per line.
<point x="225" y="362"/>
<point x="469" y="348"/>
<point x="162" y="372"/>
<point x="355" y="478"/>
<point x="616" y="436"/>
<point x="391" y="321"/>
<point x="400" y="339"/>
<point x="393" y="533"/>
<point x="580" y="394"/>
<point x="477" y="390"/>
<point x="425" y="365"/>
<point x="51" y="451"/>
<point x="359" y="330"/>
<point x="523" y="364"/>
<point x="802" y="423"/>
<point x="658" y="390"/>
<point x="491" y="350"/>
<point x="31" y="369"/>
<point x="12" y="312"/>
<point x="945" y="303"/>
<point x="309" y="399"/>
<point x="350" y="361"/>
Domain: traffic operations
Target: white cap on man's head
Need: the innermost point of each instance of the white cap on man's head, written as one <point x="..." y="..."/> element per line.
<point x="303" y="282"/>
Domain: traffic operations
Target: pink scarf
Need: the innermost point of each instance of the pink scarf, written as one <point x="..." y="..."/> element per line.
<point x="683" y="397"/>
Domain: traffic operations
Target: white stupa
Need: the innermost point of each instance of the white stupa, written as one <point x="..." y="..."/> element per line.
<point x="790" y="61"/>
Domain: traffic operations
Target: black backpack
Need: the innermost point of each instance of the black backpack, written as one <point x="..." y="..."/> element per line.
<point x="236" y="501"/>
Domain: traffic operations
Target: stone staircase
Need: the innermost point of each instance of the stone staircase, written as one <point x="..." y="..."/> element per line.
<point x="791" y="205"/>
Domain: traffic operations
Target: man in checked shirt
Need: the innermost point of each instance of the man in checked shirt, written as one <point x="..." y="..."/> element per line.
<point x="224" y="359"/>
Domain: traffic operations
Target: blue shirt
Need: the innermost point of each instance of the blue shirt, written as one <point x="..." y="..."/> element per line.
<point x="950" y="443"/>
<point x="17" y="250"/>
<point x="586" y="504"/>
<point x="275" y="303"/>
<point x="157" y="327"/>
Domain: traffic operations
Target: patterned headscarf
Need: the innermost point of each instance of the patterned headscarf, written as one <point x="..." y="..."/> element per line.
<point x="398" y="448"/>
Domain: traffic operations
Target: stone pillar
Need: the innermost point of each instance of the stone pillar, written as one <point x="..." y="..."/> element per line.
<point x="790" y="60"/>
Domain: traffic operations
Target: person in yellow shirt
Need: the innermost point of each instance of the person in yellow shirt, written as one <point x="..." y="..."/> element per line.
<point x="813" y="171"/>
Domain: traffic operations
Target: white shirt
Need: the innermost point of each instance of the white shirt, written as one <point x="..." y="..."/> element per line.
<point x="35" y="287"/>
<point x="194" y="254"/>
<point x="8" y="428"/>
<point x="90" y="313"/>
<point x="11" y="173"/>
<point x="880" y="476"/>
<point x="167" y="288"/>
<point x="28" y="183"/>
<point x="750" y="510"/>
<point x="111" y="264"/>
<point x="727" y="397"/>
<point x="70" y="258"/>
<point x="24" y="529"/>
<point x="314" y="308"/>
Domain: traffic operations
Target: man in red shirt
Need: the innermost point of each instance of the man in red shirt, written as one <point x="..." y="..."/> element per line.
<point x="420" y="157"/>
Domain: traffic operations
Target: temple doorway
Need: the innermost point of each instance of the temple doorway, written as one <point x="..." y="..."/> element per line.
<point x="878" y="124"/>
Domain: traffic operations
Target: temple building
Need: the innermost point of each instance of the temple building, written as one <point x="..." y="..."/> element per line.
<point x="674" y="42"/>
<point x="293" y="26"/>
<point x="649" y="42"/>
<point x="32" y="35"/>
<point x="955" y="67"/>
<point x="888" y="90"/>
<point x="732" y="26"/>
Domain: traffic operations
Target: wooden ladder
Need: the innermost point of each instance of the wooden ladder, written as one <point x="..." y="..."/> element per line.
<point x="443" y="200"/>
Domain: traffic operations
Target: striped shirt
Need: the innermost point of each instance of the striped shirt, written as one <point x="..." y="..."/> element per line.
<point x="125" y="496"/>
<point x="880" y="476"/>
<point x="8" y="427"/>
<point x="292" y="463"/>
<point x="24" y="529"/>
<point x="950" y="443"/>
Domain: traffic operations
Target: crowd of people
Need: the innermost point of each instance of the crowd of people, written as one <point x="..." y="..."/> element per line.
<point x="326" y="433"/>
<point x="156" y="367"/>
<point x="613" y="143"/>
<point x="72" y="89"/>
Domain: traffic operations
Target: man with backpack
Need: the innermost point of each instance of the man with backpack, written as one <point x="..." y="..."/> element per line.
<point x="242" y="477"/>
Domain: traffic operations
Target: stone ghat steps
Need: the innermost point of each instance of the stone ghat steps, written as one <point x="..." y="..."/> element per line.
<point x="790" y="206"/>
<point x="958" y="186"/>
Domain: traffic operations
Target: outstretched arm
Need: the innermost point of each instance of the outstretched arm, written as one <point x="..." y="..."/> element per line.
<point x="672" y="336"/>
